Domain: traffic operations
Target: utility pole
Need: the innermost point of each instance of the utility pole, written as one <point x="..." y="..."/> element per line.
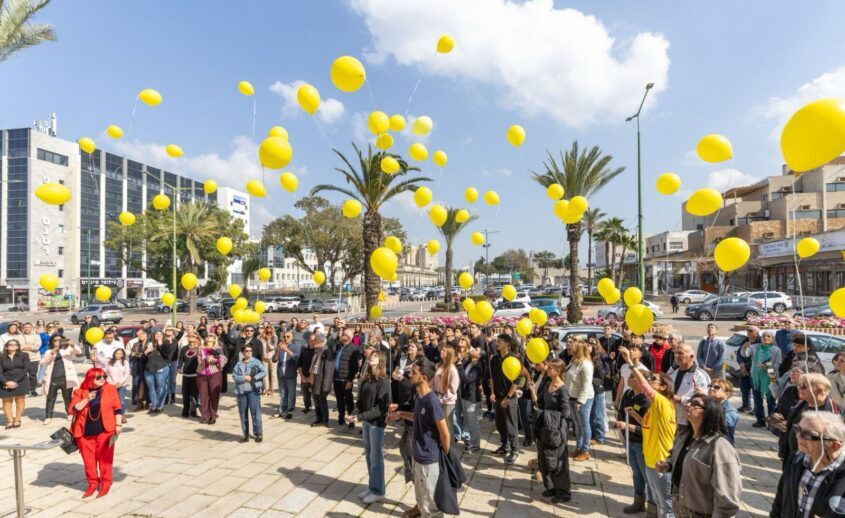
<point x="487" y="257"/>
<point x="640" y="264"/>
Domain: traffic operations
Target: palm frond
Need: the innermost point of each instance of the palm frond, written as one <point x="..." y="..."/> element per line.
<point x="16" y="33"/>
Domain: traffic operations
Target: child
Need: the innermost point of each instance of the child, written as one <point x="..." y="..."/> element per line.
<point x="721" y="390"/>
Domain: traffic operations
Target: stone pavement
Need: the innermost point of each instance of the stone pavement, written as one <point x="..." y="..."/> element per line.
<point x="167" y="466"/>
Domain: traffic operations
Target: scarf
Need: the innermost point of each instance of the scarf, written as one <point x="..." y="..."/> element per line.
<point x="760" y="377"/>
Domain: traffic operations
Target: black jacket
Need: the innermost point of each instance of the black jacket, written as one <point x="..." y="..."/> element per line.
<point x="810" y="357"/>
<point x="788" y="442"/>
<point x="255" y="343"/>
<point x="828" y="502"/>
<point x="350" y="361"/>
<point x="451" y="477"/>
<point x="470" y="380"/>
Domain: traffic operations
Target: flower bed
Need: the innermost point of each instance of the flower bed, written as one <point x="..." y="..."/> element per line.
<point x="831" y="325"/>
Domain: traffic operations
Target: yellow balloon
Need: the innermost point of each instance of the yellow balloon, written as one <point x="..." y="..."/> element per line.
<point x="462" y="216"/>
<point x="422" y="196"/>
<point x="524" y="326"/>
<point x="614" y="296"/>
<point x="260" y="306"/>
<point x="224" y="245"/>
<point x="445" y="44"/>
<point x="432" y="247"/>
<point x="571" y="216"/>
<point x="389" y="165"/>
<point x="161" y="202"/>
<point x="554" y="191"/>
<point x="468" y="304"/>
<point x="245" y="88"/>
<point x="438" y="214"/>
<point x="384" y="141"/>
<point x="477" y="238"/>
<point x="509" y="292"/>
<point x="807" y="247"/>
<point x="481" y="313"/>
<point x="418" y="152"/>
<point x="94" y="335"/>
<point x="289" y="181"/>
<point x="384" y="262"/>
<point x="639" y="319"/>
<point x="88" y="145"/>
<point x="308" y="98"/>
<point x="168" y="299"/>
<point x="704" y="202"/>
<point x="173" y="151"/>
<point x="264" y="274"/>
<point x="814" y="135"/>
<point x="114" y="131"/>
<point x="49" y="281"/>
<point x="150" y="97"/>
<point x="275" y="152"/>
<point x="440" y="158"/>
<point x="731" y="253"/>
<point x="668" y="183"/>
<point x="537" y="350"/>
<point x="714" y="148"/>
<point x="237" y="314"/>
<point x="103" y="293"/>
<point x="348" y="74"/>
<point x="378" y="122"/>
<point x="394" y="277"/>
<point x="511" y="368"/>
<point x="538" y="316"/>
<point x="278" y="131"/>
<point x="422" y="125"/>
<point x="209" y="186"/>
<point x="516" y="135"/>
<point x="632" y="296"/>
<point x="397" y="122"/>
<point x="189" y="281"/>
<point x="53" y="193"/>
<point x="256" y="188"/>
<point x="393" y="243"/>
<point x="578" y="204"/>
<point x="351" y="208"/>
<point x="127" y="219"/>
<point x="560" y="208"/>
<point x="235" y="290"/>
<point x="837" y="302"/>
<point x="241" y="303"/>
<point x="465" y="280"/>
<point x="491" y="198"/>
<point x="471" y="194"/>
<point x="375" y="312"/>
<point x="319" y="278"/>
<point x="605" y="286"/>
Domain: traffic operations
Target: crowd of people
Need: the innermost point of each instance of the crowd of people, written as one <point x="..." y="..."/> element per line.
<point x="435" y="384"/>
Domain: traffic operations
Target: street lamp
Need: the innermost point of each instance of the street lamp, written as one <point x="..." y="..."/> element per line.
<point x="640" y="265"/>
<point x="487" y="258"/>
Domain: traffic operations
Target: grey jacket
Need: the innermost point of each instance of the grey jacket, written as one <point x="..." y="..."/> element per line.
<point x="711" y="483"/>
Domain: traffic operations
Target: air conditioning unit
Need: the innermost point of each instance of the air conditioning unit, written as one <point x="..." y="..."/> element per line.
<point x="768" y="235"/>
<point x="767" y="213"/>
<point x="841" y="179"/>
<point x="841" y="206"/>
<point x="804" y="207"/>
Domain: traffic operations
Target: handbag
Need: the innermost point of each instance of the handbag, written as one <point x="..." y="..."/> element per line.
<point x="68" y="443"/>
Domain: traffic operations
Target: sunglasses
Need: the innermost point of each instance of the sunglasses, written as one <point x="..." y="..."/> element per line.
<point x="653" y="378"/>
<point x="807" y="435"/>
<point x="98" y="378"/>
<point x="248" y="351"/>
<point x="696" y="404"/>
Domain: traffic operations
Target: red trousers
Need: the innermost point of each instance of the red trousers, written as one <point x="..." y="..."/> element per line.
<point x="209" y="391"/>
<point x="97" y="455"/>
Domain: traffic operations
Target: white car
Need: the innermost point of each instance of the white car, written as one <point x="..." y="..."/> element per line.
<point x="618" y="310"/>
<point x="692" y="296"/>
<point x="773" y="300"/>
<point x="279" y="304"/>
<point x="521" y="296"/>
<point x="823" y="344"/>
<point x="513" y="309"/>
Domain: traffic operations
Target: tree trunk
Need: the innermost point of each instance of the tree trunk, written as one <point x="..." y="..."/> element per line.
<point x="448" y="295"/>
<point x="372" y="238"/>
<point x="589" y="260"/>
<point x="612" y="263"/>
<point x="332" y="274"/>
<point x="622" y="263"/>
<point x="573" y="309"/>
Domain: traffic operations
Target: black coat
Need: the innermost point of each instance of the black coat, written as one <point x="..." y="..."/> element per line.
<point x="257" y="347"/>
<point x="828" y="502"/>
<point x="470" y="380"/>
<point x="451" y="477"/>
<point x="14" y="369"/>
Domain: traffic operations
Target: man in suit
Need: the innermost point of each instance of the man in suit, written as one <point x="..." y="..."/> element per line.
<point x="286" y="357"/>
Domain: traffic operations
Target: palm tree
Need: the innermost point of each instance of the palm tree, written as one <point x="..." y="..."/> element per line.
<point x="249" y="265"/>
<point x="545" y="260"/>
<point x="372" y="188"/>
<point x="450" y="231"/>
<point x="581" y="173"/>
<point x="611" y="232"/>
<point x="16" y="33"/>
<point x="626" y="241"/>
<point x="591" y="221"/>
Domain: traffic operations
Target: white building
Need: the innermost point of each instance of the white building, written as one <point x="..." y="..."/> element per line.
<point x="237" y="203"/>
<point x="600" y="254"/>
<point x="665" y="243"/>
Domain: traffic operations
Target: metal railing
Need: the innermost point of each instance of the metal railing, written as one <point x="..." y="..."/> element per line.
<point x="17" y="451"/>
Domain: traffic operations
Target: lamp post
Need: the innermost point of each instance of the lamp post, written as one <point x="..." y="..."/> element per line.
<point x="640" y="265"/>
<point x="487" y="257"/>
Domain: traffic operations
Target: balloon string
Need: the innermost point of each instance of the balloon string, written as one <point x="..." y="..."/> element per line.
<point x="370" y="90"/>
<point x="416" y="86"/>
<point x="254" y="111"/>
<point x="132" y="117"/>
<point x="323" y="133"/>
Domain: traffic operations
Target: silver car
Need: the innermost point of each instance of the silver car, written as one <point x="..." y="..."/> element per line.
<point x="692" y="296"/>
<point x="98" y="313"/>
<point x="335" y="306"/>
<point x="618" y="310"/>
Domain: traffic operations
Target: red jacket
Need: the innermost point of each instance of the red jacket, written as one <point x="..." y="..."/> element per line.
<point x="109" y="402"/>
<point x="657" y="350"/>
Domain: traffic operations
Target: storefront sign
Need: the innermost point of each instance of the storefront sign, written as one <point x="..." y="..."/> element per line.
<point x="112" y="283"/>
<point x="828" y="242"/>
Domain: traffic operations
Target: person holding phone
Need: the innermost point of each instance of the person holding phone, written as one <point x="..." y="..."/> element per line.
<point x="765" y="362"/>
<point x="59" y="373"/>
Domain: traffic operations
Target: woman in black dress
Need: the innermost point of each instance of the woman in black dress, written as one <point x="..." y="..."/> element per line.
<point x="14" y="382"/>
<point x="551" y="430"/>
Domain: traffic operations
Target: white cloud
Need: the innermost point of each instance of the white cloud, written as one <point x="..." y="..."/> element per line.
<point x="330" y="111"/>
<point x="829" y="84"/>
<point x="729" y="178"/>
<point x="498" y="171"/>
<point x="543" y="60"/>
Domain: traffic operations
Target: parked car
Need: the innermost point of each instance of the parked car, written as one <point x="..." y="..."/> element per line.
<point x="127" y="303"/>
<point x="513" y="309"/>
<point x="310" y="306"/>
<point x="99" y="313"/>
<point x="335" y="306"/>
<point x="729" y="307"/>
<point x="418" y="295"/>
<point x="822" y="310"/>
<point x="214" y="311"/>
<point x="825" y="346"/>
<point x="280" y="304"/>
<point x="521" y="296"/>
<point x="775" y="300"/>
<point x="181" y="307"/>
<point x="202" y="302"/>
<point x="562" y="333"/>
<point x="617" y="311"/>
<point x="692" y="296"/>
<point x="127" y="333"/>
<point x="550" y="306"/>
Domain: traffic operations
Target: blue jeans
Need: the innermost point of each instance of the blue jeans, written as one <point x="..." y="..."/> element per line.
<point x="745" y="389"/>
<point x="471" y="426"/>
<point x="374" y="452"/>
<point x="581" y="418"/>
<point x="157" y="387"/>
<point x="250" y="403"/>
<point x="287" y="395"/>
<point x="637" y="463"/>
<point x="171" y="386"/>
<point x="137" y="380"/>
<point x="598" y="417"/>
<point x="458" y="421"/>
<point x="758" y="405"/>
<point x="121" y="393"/>
<point x="525" y="419"/>
<point x="660" y="485"/>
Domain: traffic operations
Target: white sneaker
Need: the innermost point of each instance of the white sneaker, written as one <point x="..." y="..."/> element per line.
<point x="364" y="494"/>
<point x="48" y="421"/>
<point x="371" y="498"/>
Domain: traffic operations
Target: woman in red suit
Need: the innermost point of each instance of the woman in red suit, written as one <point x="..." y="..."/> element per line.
<point x="94" y="406"/>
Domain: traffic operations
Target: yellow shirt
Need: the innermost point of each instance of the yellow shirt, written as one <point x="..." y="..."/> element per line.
<point x="658" y="430"/>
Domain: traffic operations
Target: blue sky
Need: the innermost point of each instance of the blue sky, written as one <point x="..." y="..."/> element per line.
<point x="563" y="70"/>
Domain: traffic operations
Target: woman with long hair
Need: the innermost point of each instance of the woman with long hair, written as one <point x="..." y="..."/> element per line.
<point x="188" y="369"/>
<point x="373" y="400"/>
<point x="447" y="381"/>
<point x="358" y="337"/>
<point x="14" y="382"/>
<point x="156" y="371"/>
<point x="95" y="407"/>
<point x="202" y="327"/>
<point x="269" y="341"/>
<point x="579" y="384"/>
<point x="551" y="430"/>
<point x="461" y="354"/>
<point x="210" y="363"/>
<point x="117" y="372"/>
<point x="59" y="373"/>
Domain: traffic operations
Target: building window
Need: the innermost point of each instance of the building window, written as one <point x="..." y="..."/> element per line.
<point x="61" y="250"/>
<point x="61" y="228"/>
<point x="808" y="214"/>
<point x="835" y="187"/>
<point x="61" y="273"/>
<point x="49" y="156"/>
<point x="836" y="213"/>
